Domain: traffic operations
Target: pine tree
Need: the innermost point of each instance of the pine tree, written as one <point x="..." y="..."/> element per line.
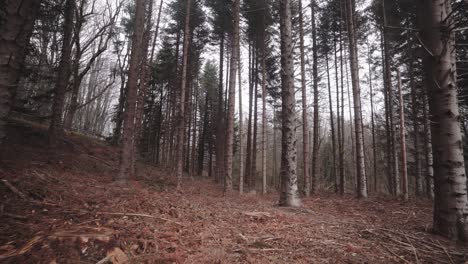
<point x="289" y="195"/>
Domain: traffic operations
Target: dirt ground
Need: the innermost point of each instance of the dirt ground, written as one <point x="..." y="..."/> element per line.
<point x="62" y="207"/>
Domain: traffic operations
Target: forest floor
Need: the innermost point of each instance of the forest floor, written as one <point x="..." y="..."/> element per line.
<point x="62" y="207"/>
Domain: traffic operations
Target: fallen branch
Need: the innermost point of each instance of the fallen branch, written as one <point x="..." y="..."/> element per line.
<point x="140" y="215"/>
<point x="14" y="189"/>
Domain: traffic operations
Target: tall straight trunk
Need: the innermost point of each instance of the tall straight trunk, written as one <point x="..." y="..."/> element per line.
<point x="219" y="146"/>
<point x="305" y="123"/>
<point x="289" y="192"/>
<point x="232" y="96"/>
<point x="342" y="139"/>
<point x="351" y="125"/>
<point x="275" y="173"/>
<point x="388" y="84"/>
<point x="404" y="169"/>
<point x="417" y="154"/>
<point x="144" y="71"/>
<point x="125" y="170"/>
<point x="428" y="158"/>
<point x="181" y="118"/>
<point x="264" y="120"/>
<point x="248" y="156"/>
<point x="56" y="126"/>
<point x="203" y="135"/>
<point x="155" y="37"/>
<point x="315" y="143"/>
<point x="360" y="171"/>
<point x="340" y="169"/>
<point x="450" y="195"/>
<point x="253" y="175"/>
<point x="18" y="19"/>
<point x="388" y="135"/>
<point x="332" y="125"/>
<point x="371" y="93"/>
<point x="241" y="125"/>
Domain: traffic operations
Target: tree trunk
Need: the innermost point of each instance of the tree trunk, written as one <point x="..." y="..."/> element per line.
<point x="18" y="19"/>
<point x="305" y="124"/>
<point x="404" y="169"/>
<point x="289" y="192"/>
<point x="56" y="127"/>
<point x="360" y="172"/>
<point x="332" y="126"/>
<point x="232" y="96"/>
<point x="181" y="118"/>
<point x="253" y="170"/>
<point x="417" y="154"/>
<point x="342" y="139"/>
<point x="219" y="146"/>
<point x="394" y="171"/>
<point x="264" y="120"/>
<point x="428" y="158"/>
<point x="340" y="170"/>
<point x="125" y="168"/>
<point x="241" y="125"/>
<point x="316" y="128"/>
<point x="248" y="159"/>
<point x="451" y="200"/>
<point x="374" y="147"/>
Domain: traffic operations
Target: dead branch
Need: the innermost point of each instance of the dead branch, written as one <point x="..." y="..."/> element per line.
<point x="141" y="215"/>
<point x="14" y="189"/>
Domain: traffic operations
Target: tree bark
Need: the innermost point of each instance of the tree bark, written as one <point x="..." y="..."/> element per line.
<point x="416" y="136"/>
<point x="232" y="96"/>
<point x="248" y="156"/>
<point x="18" y="19"/>
<point x="451" y="200"/>
<point x="316" y="128"/>
<point x="404" y="169"/>
<point x="241" y="124"/>
<point x="394" y="172"/>
<point x="289" y="192"/>
<point x="305" y="123"/>
<point x="374" y="147"/>
<point x="125" y="167"/>
<point x="332" y="126"/>
<point x="181" y="118"/>
<point x="56" y="126"/>
<point x="360" y="171"/>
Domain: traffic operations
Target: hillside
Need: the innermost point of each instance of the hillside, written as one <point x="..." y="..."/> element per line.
<point x="62" y="207"/>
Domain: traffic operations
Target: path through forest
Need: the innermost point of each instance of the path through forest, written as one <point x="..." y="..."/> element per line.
<point x="70" y="212"/>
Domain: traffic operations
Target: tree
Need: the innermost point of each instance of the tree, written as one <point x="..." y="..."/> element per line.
<point x="16" y="26"/>
<point x="232" y="95"/>
<point x="404" y="168"/>
<point x="450" y="196"/>
<point x="315" y="143"/>
<point x="305" y="124"/>
<point x="126" y="151"/>
<point x="360" y="166"/>
<point x="56" y="126"/>
<point x="181" y="119"/>
<point x="289" y="195"/>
